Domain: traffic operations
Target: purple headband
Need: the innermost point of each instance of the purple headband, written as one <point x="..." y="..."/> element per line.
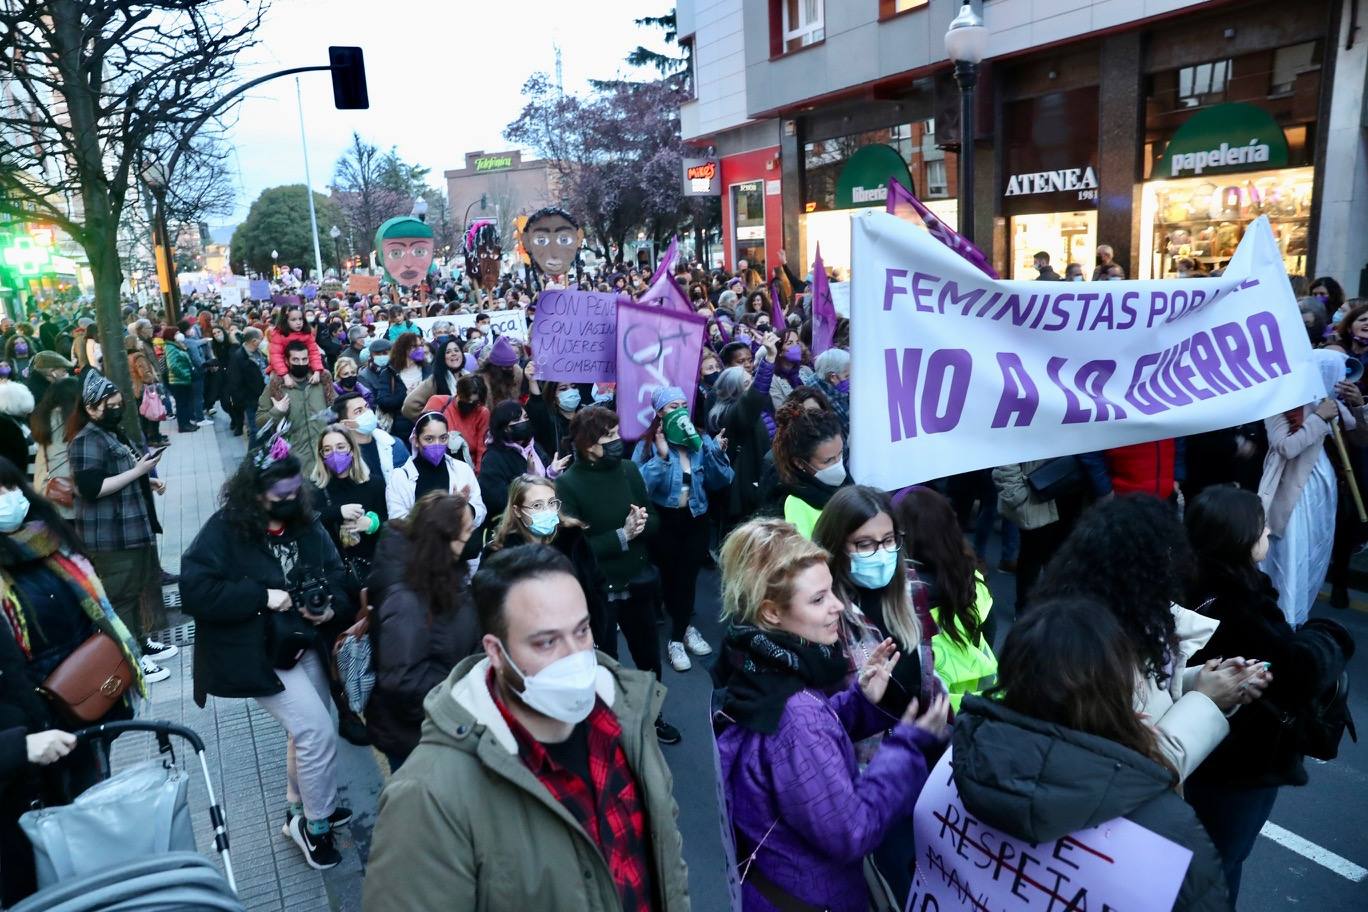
<point x="286" y="486"/>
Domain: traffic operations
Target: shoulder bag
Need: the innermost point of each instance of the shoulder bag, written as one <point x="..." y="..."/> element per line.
<point x="91" y="681"/>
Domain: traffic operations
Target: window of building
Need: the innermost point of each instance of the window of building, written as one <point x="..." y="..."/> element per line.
<point x="1203" y="84"/>
<point x="690" y="69"/>
<point x="890" y="8"/>
<point x="802" y="23"/>
<point x="936" y="182"/>
<point x="1289" y="62"/>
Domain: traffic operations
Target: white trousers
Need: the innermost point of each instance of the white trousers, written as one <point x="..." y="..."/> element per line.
<point x="303" y="710"/>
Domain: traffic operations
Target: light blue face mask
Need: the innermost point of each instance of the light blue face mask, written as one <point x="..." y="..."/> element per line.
<point x="874" y="571"/>
<point x="14" y="507"/>
<point x="543" y="522"/>
<point x="569" y="399"/>
<point x="380" y="360"/>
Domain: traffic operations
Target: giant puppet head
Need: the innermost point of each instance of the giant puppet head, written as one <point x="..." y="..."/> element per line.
<point x="552" y="239"/>
<point x="406" y="246"/>
<point x="483" y="253"/>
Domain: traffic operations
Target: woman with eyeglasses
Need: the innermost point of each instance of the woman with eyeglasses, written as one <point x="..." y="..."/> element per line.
<point x="533" y="516"/>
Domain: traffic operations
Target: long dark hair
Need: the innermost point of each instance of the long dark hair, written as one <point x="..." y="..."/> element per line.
<point x="282" y="323"/>
<point x="1224" y="523"/>
<point x="1344" y="330"/>
<point x="433" y="572"/>
<point x="1132" y="555"/>
<point x="1069" y="662"/>
<point x="240" y="499"/>
<point x="849" y="509"/>
<point x="440" y="386"/>
<point x="504" y="414"/>
<point x="40" y="510"/>
<point x="934" y="541"/>
<point x="63" y="397"/>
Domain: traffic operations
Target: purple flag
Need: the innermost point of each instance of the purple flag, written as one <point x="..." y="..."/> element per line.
<point x="776" y="306"/>
<point x="259" y="290"/>
<point x="665" y="292"/>
<point x="656" y="347"/>
<point x="666" y="262"/>
<point x="823" y="307"/>
<point x="286" y="300"/>
<point x="903" y="204"/>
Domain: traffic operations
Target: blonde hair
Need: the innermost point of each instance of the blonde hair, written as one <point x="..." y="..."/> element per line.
<point x="512" y="521"/>
<point x="760" y="561"/>
<point x="358" y="471"/>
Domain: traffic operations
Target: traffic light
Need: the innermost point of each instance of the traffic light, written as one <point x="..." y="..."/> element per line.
<point x="348" y="78"/>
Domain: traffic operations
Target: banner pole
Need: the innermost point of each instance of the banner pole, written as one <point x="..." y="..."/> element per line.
<point x="1348" y="471"/>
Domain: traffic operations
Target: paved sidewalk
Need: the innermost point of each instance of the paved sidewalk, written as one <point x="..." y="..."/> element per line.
<point x="244" y="746"/>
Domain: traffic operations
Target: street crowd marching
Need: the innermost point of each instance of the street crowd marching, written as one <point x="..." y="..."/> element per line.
<point x="440" y="543"/>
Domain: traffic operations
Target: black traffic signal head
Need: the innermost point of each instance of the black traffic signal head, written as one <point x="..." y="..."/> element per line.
<point x="348" y="78"/>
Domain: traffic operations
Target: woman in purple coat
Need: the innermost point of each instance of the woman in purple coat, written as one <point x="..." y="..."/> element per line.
<point x="803" y="814"/>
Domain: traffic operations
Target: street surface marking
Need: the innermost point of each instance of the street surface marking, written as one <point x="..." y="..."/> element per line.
<point x="1309" y="850"/>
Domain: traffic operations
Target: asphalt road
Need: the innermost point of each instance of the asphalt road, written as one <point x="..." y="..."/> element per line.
<point x="1327" y="819"/>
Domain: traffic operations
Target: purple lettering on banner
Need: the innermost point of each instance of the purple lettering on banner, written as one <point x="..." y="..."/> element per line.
<point x="957" y="363"/>
<point x="1158" y="306"/>
<point x="920" y="290"/>
<point x="1020" y="397"/>
<point x="1208" y="364"/>
<point x="1184" y="374"/>
<point x="1058" y="312"/>
<point x="950" y="293"/>
<point x="1092" y="379"/>
<point x="1137" y="394"/>
<point x="1234" y="345"/>
<point x="1128" y="302"/>
<point x="1178" y="304"/>
<point x="1105" y="316"/>
<point x="891" y="288"/>
<point x="656" y="347"/>
<point x="902" y="392"/>
<point x="1198" y="300"/>
<point x="574" y="337"/>
<point x="1268" y="345"/>
<point x="1019" y="314"/>
<point x="1074" y="413"/>
<point x="1162" y="382"/>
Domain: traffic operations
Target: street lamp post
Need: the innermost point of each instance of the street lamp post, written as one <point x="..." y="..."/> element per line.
<point x="155" y="176"/>
<point x="275" y="255"/>
<point x="336" y="234"/>
<point x="966" y="42"/>
<point x="420" y="209"/>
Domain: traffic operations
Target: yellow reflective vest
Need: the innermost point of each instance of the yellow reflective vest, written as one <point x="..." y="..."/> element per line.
<point x="967" y="669"/>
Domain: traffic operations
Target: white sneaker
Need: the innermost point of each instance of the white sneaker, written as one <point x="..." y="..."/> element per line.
<point x="205" y="422"/>
<point x="152" y="672"/>
<point x="694" y="640"/>
<point x="679" y="659"/>
<point x="157" y="650"/>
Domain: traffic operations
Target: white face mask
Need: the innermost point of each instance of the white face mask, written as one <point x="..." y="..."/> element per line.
<point x="832" y="475"/>
<point x="563" y="690"/>
<point x="14" y="507"/>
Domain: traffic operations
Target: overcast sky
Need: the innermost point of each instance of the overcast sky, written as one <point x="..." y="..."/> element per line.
<point x="445" y="78"/>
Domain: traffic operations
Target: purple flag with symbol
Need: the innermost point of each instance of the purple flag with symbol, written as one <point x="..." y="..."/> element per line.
<point x="776" y="306"/>
<point x="904" y="205"/>
<point x="656" y="347"/>
<point x="823" y="307"/>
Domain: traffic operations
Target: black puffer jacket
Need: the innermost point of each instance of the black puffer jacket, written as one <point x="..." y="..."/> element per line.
<point x="1038" y="782"/>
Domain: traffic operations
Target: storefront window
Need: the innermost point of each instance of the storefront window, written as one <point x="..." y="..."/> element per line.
<point x="1068" y="237"/>
<point x="748" y="223"/>
<point x="915" y="142"/>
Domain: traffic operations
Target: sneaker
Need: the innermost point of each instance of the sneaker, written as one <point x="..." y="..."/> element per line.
<point x="169" y="579"/>
<point x="156" y="649"/>
<point x="667" y="733"/>
<point x="679" y="659"/>
<point x="318" y="849"/>
<point x="205" y="422"/>
<point x="152" y="672"/>
<point x="338" y="818"/>
<point x="188" y="430"/>
<point x="694" y="640"/>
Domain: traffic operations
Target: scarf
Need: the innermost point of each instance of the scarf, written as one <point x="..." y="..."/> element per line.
<point x="760" y="669"/>
<point x="529" y="453"/>
<point x="34" y="541"/>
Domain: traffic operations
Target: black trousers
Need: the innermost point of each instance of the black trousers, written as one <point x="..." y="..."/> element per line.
<point x="633" y="610"/>
<point x="679" y="549"/>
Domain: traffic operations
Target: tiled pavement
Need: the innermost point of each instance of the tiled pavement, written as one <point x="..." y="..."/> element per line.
<point x="244" y="746"/>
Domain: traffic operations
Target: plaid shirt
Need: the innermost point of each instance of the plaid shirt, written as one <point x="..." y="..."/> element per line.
<point x="610" y="808"/>
<point x="124" y="519"/>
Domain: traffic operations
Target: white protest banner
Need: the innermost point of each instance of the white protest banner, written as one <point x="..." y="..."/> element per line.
<point x="230" y="296"/>
<point x="501" y="323"/>
<point x="953" y="371"/>
<point x="964" y="865"/>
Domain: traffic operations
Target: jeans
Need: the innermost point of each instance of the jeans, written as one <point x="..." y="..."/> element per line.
<point x="1233" y="818"/>
<point x="302" y="709"/>
<point x="185" y="418"/>
<point x="196" y="397"/>
<point x="678" y="551"/>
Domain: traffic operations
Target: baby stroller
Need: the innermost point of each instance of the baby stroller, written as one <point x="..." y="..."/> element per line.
<point x="127" y="842"/>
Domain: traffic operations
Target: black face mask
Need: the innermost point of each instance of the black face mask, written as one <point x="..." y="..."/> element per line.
<point x="612" y="451"/>
<point x="284" y="509"/>
<point x="347" y="382"/>
<point x="299" y="371"/>
<point x="111" y="417"/>
<point x="465" y="408"/>
<point x="710" y="379"/>
<point x="520" y="431"/>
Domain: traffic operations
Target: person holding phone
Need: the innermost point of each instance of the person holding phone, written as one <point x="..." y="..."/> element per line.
<point x="116" y="517"/>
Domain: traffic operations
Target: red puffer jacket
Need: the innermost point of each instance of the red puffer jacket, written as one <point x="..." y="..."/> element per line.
<point x="1144" y="468"/>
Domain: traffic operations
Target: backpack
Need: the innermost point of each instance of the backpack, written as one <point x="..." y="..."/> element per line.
<point x="1320" y="727"/>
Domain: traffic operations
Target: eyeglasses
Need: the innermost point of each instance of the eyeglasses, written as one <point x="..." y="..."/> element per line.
<point x="539" y="506"/>
<point x="866" y="547"/>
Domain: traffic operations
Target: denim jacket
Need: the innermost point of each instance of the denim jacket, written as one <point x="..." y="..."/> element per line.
<point x="710" y="467"/>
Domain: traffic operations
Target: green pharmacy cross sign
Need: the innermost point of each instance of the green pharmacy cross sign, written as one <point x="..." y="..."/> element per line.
<point x="23" y="255"/>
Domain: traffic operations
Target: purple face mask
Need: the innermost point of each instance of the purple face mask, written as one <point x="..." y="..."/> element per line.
<point x="338" y="463"/>
<point x="433" y="452"/>
<point x="418" y="355"/>
<point x="21" y="349"/>
<point x="794" y="353"/>
<point x="6" y="370"/>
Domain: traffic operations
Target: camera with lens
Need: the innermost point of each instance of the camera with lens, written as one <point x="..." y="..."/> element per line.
<point x="312" y="597"/>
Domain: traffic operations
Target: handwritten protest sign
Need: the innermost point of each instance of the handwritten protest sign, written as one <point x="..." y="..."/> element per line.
<point x="955" y="371"/>
<point x="260" y="290"/>
<point x="501" y="323"/>
<point x="230" y="296"/>
<point x="964" y="865"/>
<point x="655" y="347"/>
<point x="363" y="284"/>
<point x="575" y="335"/>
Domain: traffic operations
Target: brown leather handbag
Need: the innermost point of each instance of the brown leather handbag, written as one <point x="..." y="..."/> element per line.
<point x="60" y="490"/>
<point x="90" y="681"/>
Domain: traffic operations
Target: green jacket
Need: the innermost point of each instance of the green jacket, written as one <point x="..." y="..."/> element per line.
<point x="599" y="496"/>
<point x="179" y="371"/>
<point x="308" y="415"/>
<point x="465" y="825"/>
